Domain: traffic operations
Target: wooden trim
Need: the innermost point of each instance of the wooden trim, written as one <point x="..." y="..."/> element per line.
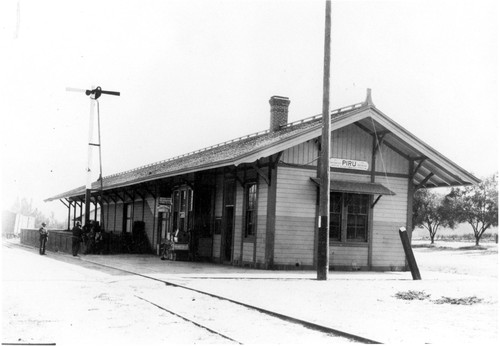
<point x="260" y="173"/>
<point x="271" y="218"/>
<point x="346" y="171"/>
<point x="375" y="202"/>
<point x="423" y="182"/>
<point x="158" y="238"/>
<point x="414" y="171"/>
<point x="256" y="217"/>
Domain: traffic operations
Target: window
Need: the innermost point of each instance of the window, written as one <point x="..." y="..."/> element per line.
<point x="127" y="217"/>
<point x="250" y="209"/>
<point x="349" y="217"/>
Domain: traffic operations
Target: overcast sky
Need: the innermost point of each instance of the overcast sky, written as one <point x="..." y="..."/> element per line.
<point x="195" y="73"/>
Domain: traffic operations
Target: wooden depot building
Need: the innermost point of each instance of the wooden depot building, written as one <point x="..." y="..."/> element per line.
<point x="253" y="201"/>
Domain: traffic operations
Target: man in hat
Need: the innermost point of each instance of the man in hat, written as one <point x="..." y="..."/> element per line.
<point x="76" y="238"/>
<point x="44" y="235"/>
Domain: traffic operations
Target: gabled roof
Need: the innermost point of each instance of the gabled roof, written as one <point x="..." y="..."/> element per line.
<point x="250" y="148"/>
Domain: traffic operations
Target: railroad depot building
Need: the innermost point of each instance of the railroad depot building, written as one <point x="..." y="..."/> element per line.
<point x="253" y="201"/>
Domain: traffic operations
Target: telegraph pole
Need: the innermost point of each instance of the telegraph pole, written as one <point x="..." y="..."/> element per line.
<point x="324" y="162"/>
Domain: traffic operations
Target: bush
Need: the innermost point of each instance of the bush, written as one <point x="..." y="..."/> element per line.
<point x="412" y="295"/>
<point x="459" y="301"/>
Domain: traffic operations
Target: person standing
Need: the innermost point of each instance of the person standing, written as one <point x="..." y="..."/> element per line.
<point x="76" y="238"/>
<point x="44" y="235"/>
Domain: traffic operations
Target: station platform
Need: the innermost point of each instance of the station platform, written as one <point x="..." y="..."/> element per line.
<point x="357" y="303"/>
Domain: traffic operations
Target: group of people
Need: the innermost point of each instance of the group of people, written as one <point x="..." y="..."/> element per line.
<point x="92" y="236"/>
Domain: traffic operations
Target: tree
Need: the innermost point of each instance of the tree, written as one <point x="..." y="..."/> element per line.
<point x="430" y="212"/>
<point x="477" y="205"/>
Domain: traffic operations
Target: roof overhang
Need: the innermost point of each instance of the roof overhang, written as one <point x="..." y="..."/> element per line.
<point x="356" y="187"/>
<point x="430" y="168"/>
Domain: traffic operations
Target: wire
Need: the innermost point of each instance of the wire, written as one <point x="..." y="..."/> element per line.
<point x="391" y="198"/>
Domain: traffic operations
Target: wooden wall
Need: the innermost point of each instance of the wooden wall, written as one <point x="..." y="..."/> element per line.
<point x="295" y="217"/>
<point x="262" y="194"/>
<point x="296" y="204"/>
<point x="388" y="216"/>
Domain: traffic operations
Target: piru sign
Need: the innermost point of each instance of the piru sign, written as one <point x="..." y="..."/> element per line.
<point x="348" y="164"/>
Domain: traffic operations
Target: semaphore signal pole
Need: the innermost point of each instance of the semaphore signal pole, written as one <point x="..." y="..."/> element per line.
<point x="94" y="94"/>
<point x="324" y="162"/>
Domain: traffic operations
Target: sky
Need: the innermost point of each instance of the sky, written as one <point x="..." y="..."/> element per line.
<point x="196" y="73"/>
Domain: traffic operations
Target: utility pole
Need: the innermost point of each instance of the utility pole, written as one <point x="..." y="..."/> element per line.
<point x="324" y="189"/>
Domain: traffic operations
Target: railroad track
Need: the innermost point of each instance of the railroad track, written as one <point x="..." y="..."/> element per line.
<point x="209" y="311"/>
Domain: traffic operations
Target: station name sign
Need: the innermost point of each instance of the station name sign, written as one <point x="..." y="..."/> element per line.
<point x="349" y="164"/>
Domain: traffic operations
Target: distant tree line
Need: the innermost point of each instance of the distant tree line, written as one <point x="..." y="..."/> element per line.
<point x="476" y="205"/>
<point x="25" y="207"/>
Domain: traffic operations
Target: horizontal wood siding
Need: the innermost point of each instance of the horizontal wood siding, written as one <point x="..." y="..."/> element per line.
<point x="351" y="142"/>
<point x="262" y="193"/>
<point x="350" y="177"/>
<point x="119" y="218"/>
<point x="247" y="252"/>
<point x="238" y="218"/>
<point x="295" y="217"/>
<point x="348" y="256"/>
<point x="389" y="214"/>
<point x="302" y="154"/>
<point x="216" y="246"/>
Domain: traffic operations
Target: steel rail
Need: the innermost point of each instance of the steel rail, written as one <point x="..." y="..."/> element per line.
<point x="308" y="324"/>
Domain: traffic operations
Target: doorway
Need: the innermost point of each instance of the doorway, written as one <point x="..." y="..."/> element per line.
<point x="228" y="221"/>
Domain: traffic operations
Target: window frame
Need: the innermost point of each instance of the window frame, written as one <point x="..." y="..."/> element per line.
<point x="250" y="211"/>
<point x="362" y="211"/>
<point x="127" y="217"/>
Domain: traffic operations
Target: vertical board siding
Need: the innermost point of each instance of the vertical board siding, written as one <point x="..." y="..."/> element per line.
<point x="389" y="161"/>
<point x="262" y="193"/>
<point x="351" y="142"/>
<point x="303" y="154"/>
<point x="389" y="214"/>
<point x="295" y="217"/>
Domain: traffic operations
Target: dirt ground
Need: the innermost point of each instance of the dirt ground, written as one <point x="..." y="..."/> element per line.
<point x="89" y="305"/>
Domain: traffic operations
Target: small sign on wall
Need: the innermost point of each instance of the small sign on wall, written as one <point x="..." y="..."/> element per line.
<point x="349" y="164"/>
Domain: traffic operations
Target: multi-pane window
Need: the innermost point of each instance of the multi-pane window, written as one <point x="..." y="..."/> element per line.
<point x="250" y="208"/>
<point x="357" y="217"/>
<point x="349" y="217"/>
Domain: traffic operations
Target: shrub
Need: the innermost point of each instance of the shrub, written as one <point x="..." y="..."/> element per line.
<point x="412" y="295"/>
<point x="459" y="301"/>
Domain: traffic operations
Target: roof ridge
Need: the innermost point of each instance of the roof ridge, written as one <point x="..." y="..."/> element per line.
<point x="337" y="111"/>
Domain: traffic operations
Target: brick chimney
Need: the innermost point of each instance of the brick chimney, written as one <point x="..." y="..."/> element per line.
<point x="279" y="112"/>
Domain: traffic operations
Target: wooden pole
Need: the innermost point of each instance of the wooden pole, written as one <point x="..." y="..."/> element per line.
<point x="415" y="273"/>
<point x="324" y="194"/>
